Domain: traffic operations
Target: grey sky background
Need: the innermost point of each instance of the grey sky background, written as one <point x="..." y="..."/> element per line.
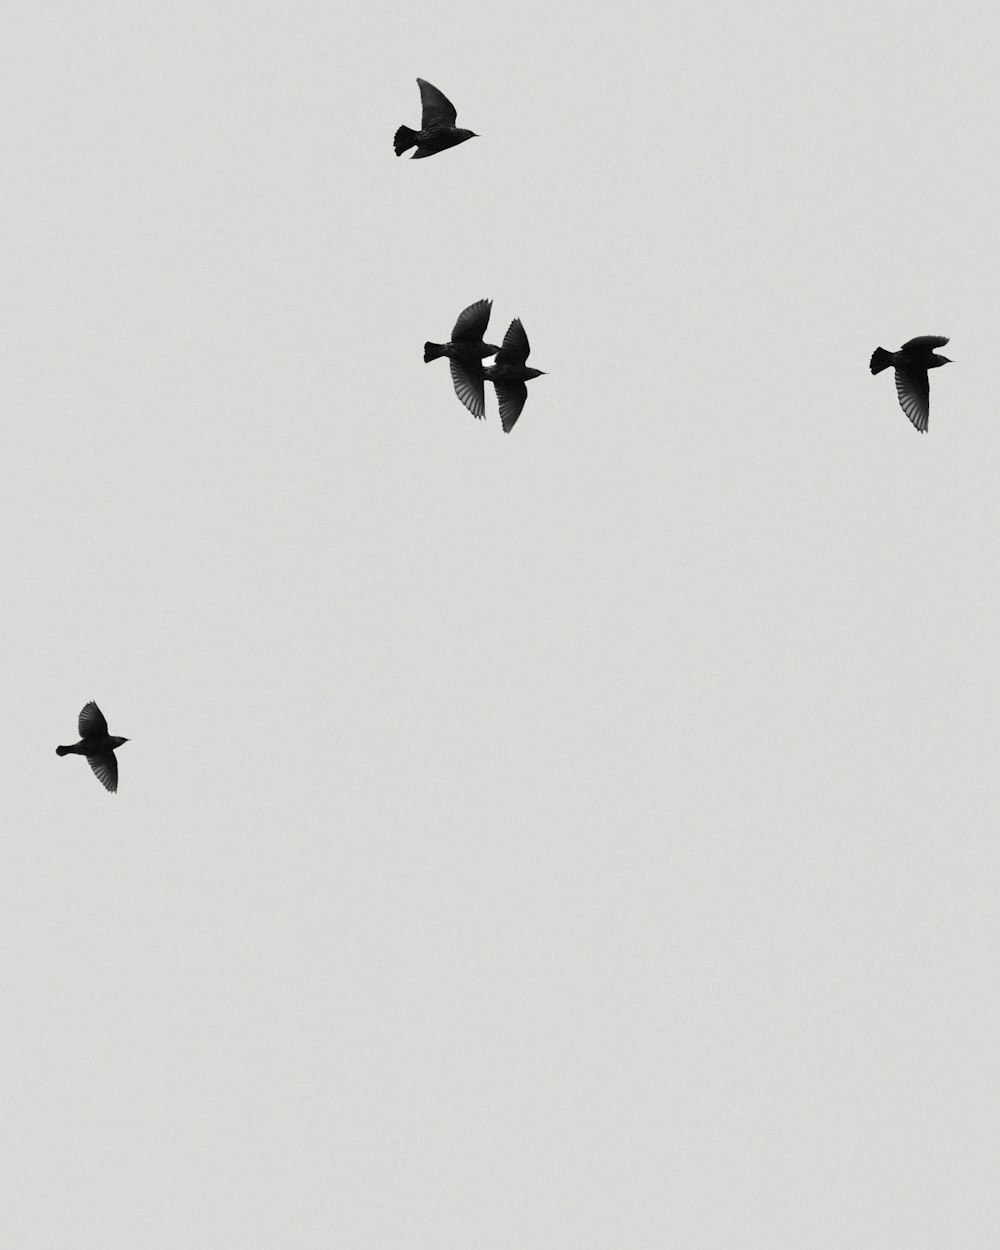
<point x="578" y="839"/>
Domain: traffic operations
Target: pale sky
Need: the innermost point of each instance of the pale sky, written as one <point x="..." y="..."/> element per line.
<point x="581" y="839"/>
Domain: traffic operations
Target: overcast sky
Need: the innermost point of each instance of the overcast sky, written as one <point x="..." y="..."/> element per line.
<point x="581" y="839"/>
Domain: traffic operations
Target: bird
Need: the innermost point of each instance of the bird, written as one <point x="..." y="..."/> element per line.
<point x="911" y="363"/>
<point x="508" y="373"/>
<point x="437" y="126"/>
<point x="97" y="745"/>
<point x="465" y="353"/>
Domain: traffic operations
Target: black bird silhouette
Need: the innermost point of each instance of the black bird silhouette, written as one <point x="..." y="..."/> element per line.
<point x="437" y="126"/>
<point x="97" y="745"/>
<point x="465" y="352"/>
<point x="911" y="363"/>
<point x="508" y="373"/>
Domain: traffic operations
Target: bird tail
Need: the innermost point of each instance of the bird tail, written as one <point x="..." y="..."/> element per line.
<point x="433" y="350"/>
<point x="62" y="750"/>
<point x="404" y="139"/>
<point x="881" y="359"/>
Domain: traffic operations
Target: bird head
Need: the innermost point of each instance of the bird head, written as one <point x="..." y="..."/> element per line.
<point x="467" y="134"/>
<point x="117" y="742"/>
<point x="936" y="360"/>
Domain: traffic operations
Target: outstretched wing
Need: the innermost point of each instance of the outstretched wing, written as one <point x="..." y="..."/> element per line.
<point x="923" y="344"/>
<point x="438" y="110"/>
<point x="514" y="350"/>
<point x="468" y="379"/>
<point x="914" y="395"/>
<point x="105" y="770"/>
<point x="510" y="397"/>
<point x="92" y="721"/>
<point x="472" y="322"/>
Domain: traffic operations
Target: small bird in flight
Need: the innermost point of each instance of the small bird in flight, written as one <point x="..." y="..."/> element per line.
<point x="911" y="363"/>
<point x="437" y="126"/>
<point x="97" y="745"/>
<point x="508" y="373"/>
<point x="465" y="353"/>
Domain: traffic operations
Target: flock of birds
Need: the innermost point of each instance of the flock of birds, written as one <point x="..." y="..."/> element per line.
<point x="508" y="373"/>
<point x="466" y="351"/>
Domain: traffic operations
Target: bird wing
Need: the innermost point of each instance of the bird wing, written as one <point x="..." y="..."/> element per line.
<point x="914" y="394"/>
<point x="469" y="385"/>
<point x="92" y="721"/>
<point x="510" y="397"/>
<point x="438" y="110"/>
<point x="923" y="344"/>
<point x="472" y="322"/>
<point x="105" y="769"/>
<point x="515" y="346"/>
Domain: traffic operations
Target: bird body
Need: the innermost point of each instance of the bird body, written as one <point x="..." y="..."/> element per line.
<point x="97" y="745"/>
<point x="508" y="373"/>
<point x="465" y="352"/>
<point x="437" y="126"/>
<point x="911" y="363"/>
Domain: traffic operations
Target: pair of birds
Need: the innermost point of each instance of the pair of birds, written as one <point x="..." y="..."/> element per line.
<point x="508" y="373"/>
<point x="911" y="363"/>
<point x="97" y="745"/>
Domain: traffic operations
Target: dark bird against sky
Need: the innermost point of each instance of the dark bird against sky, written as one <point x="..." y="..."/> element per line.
<point x="508" y="373"/>
<point x="97" y="745"/>
<point x="465" y="352"/>
<point x="437" y="126"/>
<point x="911" y="363"/>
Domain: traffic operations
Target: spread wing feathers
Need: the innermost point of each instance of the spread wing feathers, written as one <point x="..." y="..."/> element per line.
<point x="472" y="322"/>
<point x="105" y="770"/>
<point x="438" y="110"/>
<point x="92" y="721"/>
<point x="515" y="346"/>
<point x="469" y="387"/>
<point x="923" y="344"/>
<point x="914" y="396"/>
<point x="510" y="397"/>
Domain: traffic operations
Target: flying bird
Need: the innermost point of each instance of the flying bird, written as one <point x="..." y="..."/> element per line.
<point x="437" y="126"/>
<point x="508" y="373"/>
<point x="465" y="353"/>
<point x="97" y="745"/>
<point x="911" y="363"/>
